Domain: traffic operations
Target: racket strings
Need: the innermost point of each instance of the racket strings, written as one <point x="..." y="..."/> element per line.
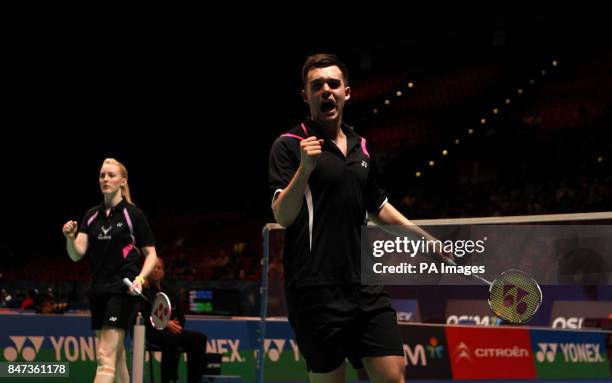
<point x="515" y="296"/>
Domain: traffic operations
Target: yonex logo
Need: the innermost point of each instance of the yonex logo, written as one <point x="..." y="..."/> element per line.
<point x="28" y="353"/>
<point x="229" y="347"/>
<point x="515" y="300"/>
<point x="112" y="319"/>
<point x="273" y="348"/>
<point x="120" y="224"/>
<point x="404" y="316"/>
<point x="364" y="164"/>
<point x="105" y="231"/>
<point x="572" y="352"/>
<point x="547" y="352"/>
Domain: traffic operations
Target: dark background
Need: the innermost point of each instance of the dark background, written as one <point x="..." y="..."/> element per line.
<point x="191" y="99"/>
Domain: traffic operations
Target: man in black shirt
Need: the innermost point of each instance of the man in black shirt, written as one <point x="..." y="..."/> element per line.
<point x="324" y="186"/>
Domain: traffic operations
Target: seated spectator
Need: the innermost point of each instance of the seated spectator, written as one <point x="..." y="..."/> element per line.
<point x="174" y="335"/>
<point x="46" y="304"/>
<point x="29" y="302"/>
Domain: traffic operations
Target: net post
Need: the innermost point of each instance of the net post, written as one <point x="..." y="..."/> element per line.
<point x="263" y="301"/>
<point x="138" y="350"/>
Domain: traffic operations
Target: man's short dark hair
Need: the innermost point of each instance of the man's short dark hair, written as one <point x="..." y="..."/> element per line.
<point x="323" y="60"/>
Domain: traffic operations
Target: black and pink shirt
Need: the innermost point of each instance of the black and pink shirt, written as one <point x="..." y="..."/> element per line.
<point x="322" y="246"/>
<point x="114" y="243"/>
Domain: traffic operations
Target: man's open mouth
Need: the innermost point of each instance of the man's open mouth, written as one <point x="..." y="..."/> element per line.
<point x="327" y="106"/>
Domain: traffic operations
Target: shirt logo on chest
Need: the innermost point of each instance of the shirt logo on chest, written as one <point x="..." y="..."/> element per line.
<point x="364" y="164"/>
<point x="105" y="231"/>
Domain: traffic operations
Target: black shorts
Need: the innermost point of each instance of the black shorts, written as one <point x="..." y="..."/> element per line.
<point x="334" y="323"/>
<point x="113" y="310"/>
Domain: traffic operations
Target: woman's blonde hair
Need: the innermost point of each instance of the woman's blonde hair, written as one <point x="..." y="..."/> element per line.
<point x="125" y="189"/>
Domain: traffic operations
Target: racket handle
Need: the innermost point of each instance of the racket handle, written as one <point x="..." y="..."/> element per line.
<point x="128" y="283"/>
<point x="482" y="279"/>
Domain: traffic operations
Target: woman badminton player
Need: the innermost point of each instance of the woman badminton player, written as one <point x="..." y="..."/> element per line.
<point x="114" y="234"/>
